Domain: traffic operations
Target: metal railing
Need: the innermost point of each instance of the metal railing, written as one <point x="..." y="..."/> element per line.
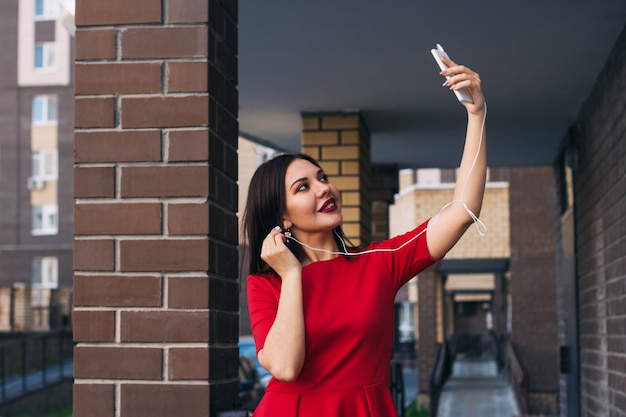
<point x="517" y="377"/>
<point x="32" y="362"/>
<point x="396" y="385"/>
<point x="441" y="373"/>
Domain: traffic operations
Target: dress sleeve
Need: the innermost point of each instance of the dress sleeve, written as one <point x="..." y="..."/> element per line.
<point x="409" y="255"/>
<point x="263" y="294"/>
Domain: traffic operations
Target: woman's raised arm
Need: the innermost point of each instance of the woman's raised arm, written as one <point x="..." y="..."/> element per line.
<point x="447" y="228"/>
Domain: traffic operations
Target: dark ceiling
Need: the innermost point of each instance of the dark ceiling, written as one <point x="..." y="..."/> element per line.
<point x="538" y="61"/>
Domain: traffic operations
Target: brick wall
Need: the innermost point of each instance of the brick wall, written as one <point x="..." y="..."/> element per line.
<point x="155" y="227"/>
<point x="384" y="186"/>
<point x="533" y="293"/>
<point x="494" y="214"/>
<point x="341" y="143"/>
<point x="599" y="137"/>
<point x="427" y="343"/>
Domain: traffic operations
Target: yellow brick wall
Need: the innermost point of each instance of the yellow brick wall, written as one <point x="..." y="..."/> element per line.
<point x="340" y="142"/>
<point x="494" y="214"/>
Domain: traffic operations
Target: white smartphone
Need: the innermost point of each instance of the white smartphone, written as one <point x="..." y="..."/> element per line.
<point x="462" y="94"/>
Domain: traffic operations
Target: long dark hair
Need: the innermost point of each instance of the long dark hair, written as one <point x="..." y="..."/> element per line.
<point x="265" y="207"/>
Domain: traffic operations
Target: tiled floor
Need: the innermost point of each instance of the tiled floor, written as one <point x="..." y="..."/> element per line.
<point x="476" y="390"/>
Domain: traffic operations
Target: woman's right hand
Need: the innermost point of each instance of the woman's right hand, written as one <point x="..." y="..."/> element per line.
<point x="277" y="255"/>
<point x="283" y="352"/>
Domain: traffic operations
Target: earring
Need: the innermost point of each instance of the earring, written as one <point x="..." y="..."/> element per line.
<point x="287" y="233"/>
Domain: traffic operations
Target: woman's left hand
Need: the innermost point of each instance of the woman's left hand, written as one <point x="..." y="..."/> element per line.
<point x="463" y="77"/>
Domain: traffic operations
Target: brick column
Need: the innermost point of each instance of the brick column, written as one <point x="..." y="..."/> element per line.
<point x="155" y="229"/>
<point x="340" y="141"/>
<point x="385" y="184"/>
<point x="428" y="282"/>
<point x="533" y="289"/>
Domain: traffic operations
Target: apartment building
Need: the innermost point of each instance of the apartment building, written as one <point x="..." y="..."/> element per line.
<point x="36" y="149"/>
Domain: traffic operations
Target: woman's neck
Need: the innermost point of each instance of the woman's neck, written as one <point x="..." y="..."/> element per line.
<point x="326" y="242"/>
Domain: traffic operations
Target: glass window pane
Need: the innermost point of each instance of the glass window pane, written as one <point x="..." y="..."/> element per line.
<point x="39" y="56"/>
<point x="50" y="56"/>
<point x="53" y="108"/>
<point x="39" y="8"/>
<point x="36" y="271"/>
<point x="35" y="171"/>
<point x="37" y="218"/>
<point x="52" y="221"/>
<point x="50" y="164"/>
<point x="38" y="108"/>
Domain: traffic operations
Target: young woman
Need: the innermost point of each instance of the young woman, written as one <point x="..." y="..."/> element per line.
<point x="322" y="313"/>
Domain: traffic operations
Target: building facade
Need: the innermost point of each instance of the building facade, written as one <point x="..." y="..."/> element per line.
<point x="590" y="229"/>
<point x="37" y="119"/>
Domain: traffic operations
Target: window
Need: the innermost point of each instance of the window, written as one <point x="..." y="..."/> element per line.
<point x="45" y="272"/>
<point x="404" y="322"/>
<point x="45" y="57"/>
<point x="45" y="164"/>
<point x="45" y="109"/>
<point x="45" y="220"/>
<point x="46" y="9"/>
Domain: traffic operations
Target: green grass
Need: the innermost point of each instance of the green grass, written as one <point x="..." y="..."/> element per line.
<point x="59" y="412"/>
<point x="413" y="411"/>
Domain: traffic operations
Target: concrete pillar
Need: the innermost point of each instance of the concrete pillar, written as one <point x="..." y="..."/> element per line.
<point x="340" y="141"/>
<point x="155" y="229"/>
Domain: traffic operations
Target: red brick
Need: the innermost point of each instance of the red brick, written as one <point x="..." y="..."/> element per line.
<point x="189" y="145"/>
<point x="188" y="219"/>
<point x="93" y="326"/>
<point x="94" y="255"/>
<point x="117" y="12"/>
<point x="164" y="326"/>
<point x="117" y="291"/>
<point x="187" y="11"/>
<point x="118" y="78"/>
<point x="163" y="255"/>
<point x="117" y="219"/>
<point x="94" y="112"/>
<point x="164" y="42"/>
<point x="118" y="363"/>
<point x="188" y="292"/>
<point x="117" y="146"/>
<point x="172" y="181"/>
<point x="183" y="77"/>
<point x="188" y="364"/>
<point x="151" y="112"/>
<point x="95" y="44"/>
<point x="93" y="400"/>
<point x="162" y="400"/>
<point x="94" y="182"/>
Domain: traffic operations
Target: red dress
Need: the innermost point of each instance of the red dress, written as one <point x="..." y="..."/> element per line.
<point x="349" y="326"/>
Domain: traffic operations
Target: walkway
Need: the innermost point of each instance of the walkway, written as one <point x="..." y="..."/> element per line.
<point x="476" y="390"/>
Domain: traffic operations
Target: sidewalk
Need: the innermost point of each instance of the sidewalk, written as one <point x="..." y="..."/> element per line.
<point x="476" y="390"/>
